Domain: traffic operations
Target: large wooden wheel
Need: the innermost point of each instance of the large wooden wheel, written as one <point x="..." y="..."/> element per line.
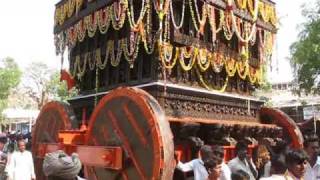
<point x="290" y="128"/>
<point x="132" y="119"/>
<point x="53" y="117"/>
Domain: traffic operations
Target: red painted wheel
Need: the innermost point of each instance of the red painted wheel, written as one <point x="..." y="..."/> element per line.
<point x="132" y="119"/>
<point x="53" y="117"/>
<point x="288" y="125"/>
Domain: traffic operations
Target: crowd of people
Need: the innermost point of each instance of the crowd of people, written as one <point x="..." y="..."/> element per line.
<point x="267" y="162"/>
<point x="16" y="162"/>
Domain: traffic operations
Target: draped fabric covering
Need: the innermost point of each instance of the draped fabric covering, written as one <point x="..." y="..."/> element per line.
<point x="59" y="164"/>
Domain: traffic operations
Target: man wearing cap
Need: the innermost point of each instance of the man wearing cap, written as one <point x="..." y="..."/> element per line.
<point x="59" y="166"/>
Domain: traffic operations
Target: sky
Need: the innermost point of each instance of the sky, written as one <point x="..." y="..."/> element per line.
<point x="290" y="18"/>
<point x="26" y="33"/>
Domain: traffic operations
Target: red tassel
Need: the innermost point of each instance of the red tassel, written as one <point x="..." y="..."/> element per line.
<point x="65" y="76"/>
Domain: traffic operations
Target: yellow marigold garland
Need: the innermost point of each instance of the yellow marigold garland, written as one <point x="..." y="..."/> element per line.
<point x="203" y="60"/>
<point x="91" y="23"/>
<point x="217" y="62"/>
<point x="242" y="4"/>
<point x="165" y="54"/>
<point x="104" y="20"/>
<point x="230" y="65"/>
<point x="192" y="60"/>
<point x="118" y="21"/>
<point x="242" y="68"/>
<point x="252" y="75"/>
<point x="208" y="86"/>
<point x="81" y="30"/>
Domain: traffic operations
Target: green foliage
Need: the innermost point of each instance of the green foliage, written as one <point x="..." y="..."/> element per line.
<point x="305" y="53"/>
<point x="303" y="102"/>
<point x="43" y="84"/>
<point x="267" y="101"/>
<point x="266" y="87"/>
<point x="59" y="89"/>
<point x="10" y="76"/>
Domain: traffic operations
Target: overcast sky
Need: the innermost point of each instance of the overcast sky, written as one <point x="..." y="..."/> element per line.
<point x="290" y="18"/>
<point x="26" y="33"/>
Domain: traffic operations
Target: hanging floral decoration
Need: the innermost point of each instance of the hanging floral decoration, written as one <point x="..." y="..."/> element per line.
<point x="188" y="57"/>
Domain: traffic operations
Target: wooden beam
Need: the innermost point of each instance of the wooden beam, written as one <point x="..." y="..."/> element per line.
<point x="91" y="8"/>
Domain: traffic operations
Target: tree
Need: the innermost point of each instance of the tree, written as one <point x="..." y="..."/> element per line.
<point x="58" y="89"/>
<point x="43" y="84"/>
<point x="305" y="52"/>
<point x="10" y="76"/>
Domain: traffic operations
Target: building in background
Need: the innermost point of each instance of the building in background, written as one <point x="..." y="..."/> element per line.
<point x="299" y="108"/>
<point x="18" y="120"/>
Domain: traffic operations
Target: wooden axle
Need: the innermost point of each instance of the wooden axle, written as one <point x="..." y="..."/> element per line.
<point x="72" y="141"/>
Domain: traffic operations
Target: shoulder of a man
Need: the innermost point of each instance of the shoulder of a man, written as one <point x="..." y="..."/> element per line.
<point x="233" y="161"/>
<point x="267" y="178"/>
<point x="225" y="167"/>
<point x="274" y="177"/>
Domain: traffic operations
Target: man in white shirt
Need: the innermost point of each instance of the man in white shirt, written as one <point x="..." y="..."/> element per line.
<point x="311" y="146"/>
<point x="242" y="162"/>
<point x="21" y="164"/>
<point x="222" y="166"/>
<point x="197" y="165"/>
<point x="217" y="169"/>
<point x="278" y="168"/>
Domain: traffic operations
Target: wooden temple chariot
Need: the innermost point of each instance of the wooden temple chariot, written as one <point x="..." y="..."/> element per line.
<point x="155" y="76"/>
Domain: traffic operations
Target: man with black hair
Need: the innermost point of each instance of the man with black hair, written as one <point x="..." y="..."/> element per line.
<point x="240" y="175"/>
<point x="197" y="165"/>
<point x="21" y="165"/>
<point x="3" y="156"/>
<point x="296" y="161"/>
<point x="225" y="170"/>
<point x="311" y="146"/>
<point x="242" y="161"/>
<point x="278" y="168"/>
<point x="213" y="167"/>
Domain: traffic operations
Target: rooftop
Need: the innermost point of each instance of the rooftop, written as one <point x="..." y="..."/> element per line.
<point x="17" y="113"/>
